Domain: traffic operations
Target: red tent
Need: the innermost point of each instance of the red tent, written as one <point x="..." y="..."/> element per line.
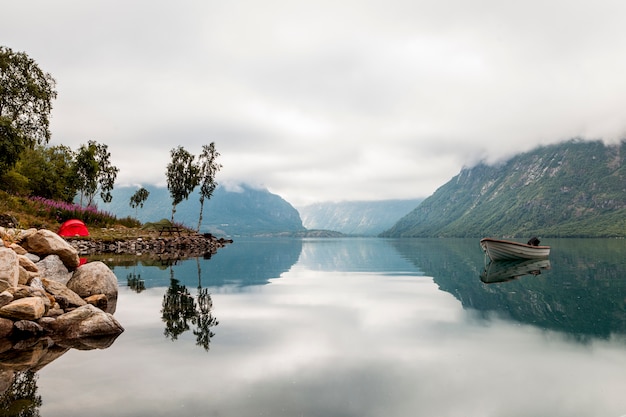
<point x="73" y="227"/>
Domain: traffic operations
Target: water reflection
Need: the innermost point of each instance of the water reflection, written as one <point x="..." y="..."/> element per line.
<point x="20" y="397"/>
<point x="502" y="271"/>
<point x="355" y="328"/>
<point x="582" y="294"/>
<point x="241" y="264"/>
<point x="580" y="290"/>
<point x="135" y="282"/>
<point x="353" y="254"/>
<point x="20" y="361"/>
<point x="180" y="309"/>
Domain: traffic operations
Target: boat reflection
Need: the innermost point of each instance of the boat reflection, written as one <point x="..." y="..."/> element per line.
<point x="502" y="271"/>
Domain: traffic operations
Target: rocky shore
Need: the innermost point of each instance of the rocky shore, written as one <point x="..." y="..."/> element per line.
<point x="48" y="304"/>
<point x="43" y="292"/>
<point x="191" y="245"/>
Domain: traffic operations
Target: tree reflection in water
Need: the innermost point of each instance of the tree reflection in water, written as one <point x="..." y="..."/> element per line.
<point x="180" y="310"/>
<point x="20" y="399"/>
<point x="135" y="282"/>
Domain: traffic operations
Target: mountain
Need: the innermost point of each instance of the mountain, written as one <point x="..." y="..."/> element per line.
<point x="241" y="211"/>
<point x="362" y="218"/>
<point x="571" y="189"/>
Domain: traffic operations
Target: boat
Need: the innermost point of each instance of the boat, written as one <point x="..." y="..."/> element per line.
<point x="500" y="250"/>
<point x="502" y="271"/>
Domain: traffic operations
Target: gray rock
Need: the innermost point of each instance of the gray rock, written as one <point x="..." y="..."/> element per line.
<point x="95" y="278"/>
<point x="33" y="257"/>
<point x="53" y="268"/>
<point x="27" y="328"/>
<point x="46" y="242"/>
<point x="29" y="308"/>
<point x="9" y="269"/>
<point x="63" y="295"/>
<point x="86" y="321"/>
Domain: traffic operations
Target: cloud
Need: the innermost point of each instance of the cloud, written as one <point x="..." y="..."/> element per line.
<point x="328" y="100"/>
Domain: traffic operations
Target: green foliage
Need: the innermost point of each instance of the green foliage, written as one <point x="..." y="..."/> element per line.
<point x="573" y="189"/>
<point x="11" y="144"/>
<point x="183" y="175"/>
<point x="26" y="95"/>
<point x="93" y="171"/>
<point x="47" y="172"/>
<point x="15" y="183"/>
<point x="137" y="199"/>
<point x="208" y="168"/>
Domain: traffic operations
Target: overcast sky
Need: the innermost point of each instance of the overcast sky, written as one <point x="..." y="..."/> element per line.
<point x="327" y="100"/>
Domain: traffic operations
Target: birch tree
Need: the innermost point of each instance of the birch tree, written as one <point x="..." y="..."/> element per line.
<point x="182" y="176"/>
<point x="208" y="168"/>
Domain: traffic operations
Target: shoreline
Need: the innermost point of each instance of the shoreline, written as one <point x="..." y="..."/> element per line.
<point x="192" y="245"/>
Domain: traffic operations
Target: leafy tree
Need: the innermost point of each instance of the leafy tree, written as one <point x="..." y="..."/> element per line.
<point x="49" y="172"/>
<point x="182" y="176"/>
<point x="26" y="95"/>
<point x="137" y="199"/>
<point x="208" y="167"/>
<point x="14" y="183"/>
<point x="94" y="172"/>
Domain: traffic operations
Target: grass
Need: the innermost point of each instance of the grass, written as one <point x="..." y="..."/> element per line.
<point x="41" y="213"/>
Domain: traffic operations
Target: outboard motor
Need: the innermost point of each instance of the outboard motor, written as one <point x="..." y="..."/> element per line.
<point x="534" y="241"/>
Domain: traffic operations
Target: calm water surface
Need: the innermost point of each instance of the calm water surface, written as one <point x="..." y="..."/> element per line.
<point x="358" y="327"/>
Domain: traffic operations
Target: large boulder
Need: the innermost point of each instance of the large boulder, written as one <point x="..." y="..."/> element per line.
<point x="85" y="321"/>
<point x="45" y="242"/>
<point x="29" y="308"/>
<point x="95" y="278"/>
<point x="52" y="268"/>
<point x="63" y="295"/>
<point x="9" y="269"/>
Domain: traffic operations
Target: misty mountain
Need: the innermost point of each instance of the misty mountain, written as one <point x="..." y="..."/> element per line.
<point x="242" y="211"/>
<point x="362" y="218"/>
<point x="572" y="189"/>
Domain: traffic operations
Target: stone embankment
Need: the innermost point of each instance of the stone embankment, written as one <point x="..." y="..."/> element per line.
<point x="176" y="246"/>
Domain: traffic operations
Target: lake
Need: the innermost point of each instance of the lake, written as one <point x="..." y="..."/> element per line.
<point x="357" y="327"/>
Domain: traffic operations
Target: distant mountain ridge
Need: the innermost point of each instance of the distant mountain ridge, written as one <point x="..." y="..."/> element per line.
<point x="572" y="189"/>
<point x="357" y="218"/>
<point x="240" y="211"/>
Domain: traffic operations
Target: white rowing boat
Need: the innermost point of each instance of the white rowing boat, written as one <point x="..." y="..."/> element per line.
<point x="499" y="250"/>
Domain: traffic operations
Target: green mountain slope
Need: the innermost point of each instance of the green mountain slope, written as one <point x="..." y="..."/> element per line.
<point x="572" y="189"/>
